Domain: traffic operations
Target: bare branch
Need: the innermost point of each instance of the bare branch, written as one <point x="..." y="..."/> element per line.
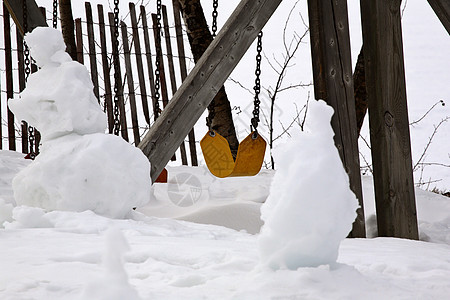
<point x="430" y="139"/>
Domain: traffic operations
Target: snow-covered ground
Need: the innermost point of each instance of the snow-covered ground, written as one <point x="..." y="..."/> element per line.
<point x="68" y="255"/>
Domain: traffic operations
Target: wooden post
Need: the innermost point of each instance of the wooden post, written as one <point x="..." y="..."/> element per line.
<point x="129" y="76"/>
<point x="34" y="15"/>
<point x="92" y="52"/>
<point x="204" y="81"/>
<point x="139" y="64"/>
<point x="9" y="78"/>
<point x="21" y="69"/>
<point x="123" y="117"/>
<point x="173" y="82"/>
<point x="148" y="55"/>
<point x="106" y="69"/>
<point x="333" y="82"/>
<point x="183" y="71"/>
<point x="388" y="116"/>
<point x="79" y="35"/>
<point x="442" y="10"/>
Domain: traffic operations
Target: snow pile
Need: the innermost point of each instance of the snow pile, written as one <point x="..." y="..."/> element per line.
<point x="58" y="99"/>
<point x="79" y="167"/>
<point x="310" y="208"/>
<point x="113" y="284"/>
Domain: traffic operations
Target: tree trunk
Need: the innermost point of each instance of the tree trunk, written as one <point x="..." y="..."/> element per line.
<point x="359" y="81"/>
<point x="199" y="38"/>
<point x="67" y="25"/>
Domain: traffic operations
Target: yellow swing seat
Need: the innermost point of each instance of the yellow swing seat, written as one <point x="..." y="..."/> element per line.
<point x="218" y="158"/>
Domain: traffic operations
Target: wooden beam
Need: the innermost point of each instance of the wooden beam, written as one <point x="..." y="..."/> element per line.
<point x="442" y="10"/>
<point x="333" y="82"/>
<point x="34" y="15"/>
<point x="388" y="117"/>
<point x="204" y="81"/>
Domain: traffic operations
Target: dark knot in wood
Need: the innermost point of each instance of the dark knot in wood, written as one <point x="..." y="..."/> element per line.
<point x="388" y="119"/>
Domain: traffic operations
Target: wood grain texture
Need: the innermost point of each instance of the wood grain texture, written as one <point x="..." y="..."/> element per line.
<point x="332" y="69"/>
<point x="79" y="40"/>
<point x="139" y="63"/>
<point x="183" y="72"/>
<point x="130" y="83"/>
<point x="34" y="16"/>
<point x="442" y="10"/>
<point x="204" y="81"/>
<point x="388" y="116"/>
<point x="9" y="79"/>
<point x="92" y="51"/>
<point x="148" y="55"/>
<point x="106" y="69"/>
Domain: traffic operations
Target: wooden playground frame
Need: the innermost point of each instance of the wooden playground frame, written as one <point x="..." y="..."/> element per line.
<point x="330" y="47"/>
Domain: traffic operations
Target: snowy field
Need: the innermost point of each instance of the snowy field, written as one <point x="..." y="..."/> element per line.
<point x="67" y="255"/>
<point x="199" y="237"/>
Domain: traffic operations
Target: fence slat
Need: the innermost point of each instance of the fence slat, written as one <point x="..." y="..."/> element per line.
<point x="92" y="52"/>
<point x="9" y="78"/>
<point x="106" y="69"/>
<point x="123" y="117"/>
<point x="139" y="65"/>
<point x="173" y="82"/>
<point x="148" y="55"/>
<point x="129" y="76"/>
<point x="79" y="36"/>
<point x="183" y="71"/>
<point x="21" y="69"/>
<point x="162" y="74"/>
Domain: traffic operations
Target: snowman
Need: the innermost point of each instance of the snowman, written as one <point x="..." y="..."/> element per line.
<point x="79" y="166"/>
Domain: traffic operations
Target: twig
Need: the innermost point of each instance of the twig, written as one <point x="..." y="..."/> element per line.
<point x="430" y="139"/>
<point x="432" y="107"/>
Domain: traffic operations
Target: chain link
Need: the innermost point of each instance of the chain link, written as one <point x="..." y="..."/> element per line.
<point x="158" y="58"/>
<point x="214" y="15"/>
<point x="257" y="87"/>
<point x="117" y="88"/>
<point x="27" y="62"/>
<point x="55" y="14"/>
<point x="211" y="106"/>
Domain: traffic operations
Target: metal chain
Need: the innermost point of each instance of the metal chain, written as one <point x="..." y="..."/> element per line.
<point x="257" y="87"/>
<point x="158" y="57"/>
<point x="116" y="69"/>
<point x="214" y="15"/>
<point x="55" y="14"/>
<point x="211" y="106"/>
<point x="27" y="61"/>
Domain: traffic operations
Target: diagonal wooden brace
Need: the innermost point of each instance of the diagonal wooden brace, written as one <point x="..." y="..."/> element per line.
<point x="204" y="81"/>
<point x="34" y="19"/>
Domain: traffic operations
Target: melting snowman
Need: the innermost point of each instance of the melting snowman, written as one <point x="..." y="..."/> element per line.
<point x="79" y="167"/>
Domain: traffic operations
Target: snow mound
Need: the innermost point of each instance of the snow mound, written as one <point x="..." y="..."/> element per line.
<point x="59" y="98"/>
<point x="97" y="172"/>
<point x="310" y="208"/>
<point x="113" y="285"/>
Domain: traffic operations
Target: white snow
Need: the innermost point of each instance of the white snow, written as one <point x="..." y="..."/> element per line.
<point x="305" y="222"/>
<point x="80" y="167"/>
<point x="97" y="172"/>
<point x="59" y="98"/>
<point x="65" y="255"/>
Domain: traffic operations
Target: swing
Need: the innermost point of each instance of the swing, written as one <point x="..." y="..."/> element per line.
<point x="250" y="155"/>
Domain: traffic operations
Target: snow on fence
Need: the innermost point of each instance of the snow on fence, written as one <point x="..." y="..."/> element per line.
<point x="137" y="52"/>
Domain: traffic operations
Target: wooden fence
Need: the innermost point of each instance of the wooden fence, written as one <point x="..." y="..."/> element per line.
<point x="137" y="54"/>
